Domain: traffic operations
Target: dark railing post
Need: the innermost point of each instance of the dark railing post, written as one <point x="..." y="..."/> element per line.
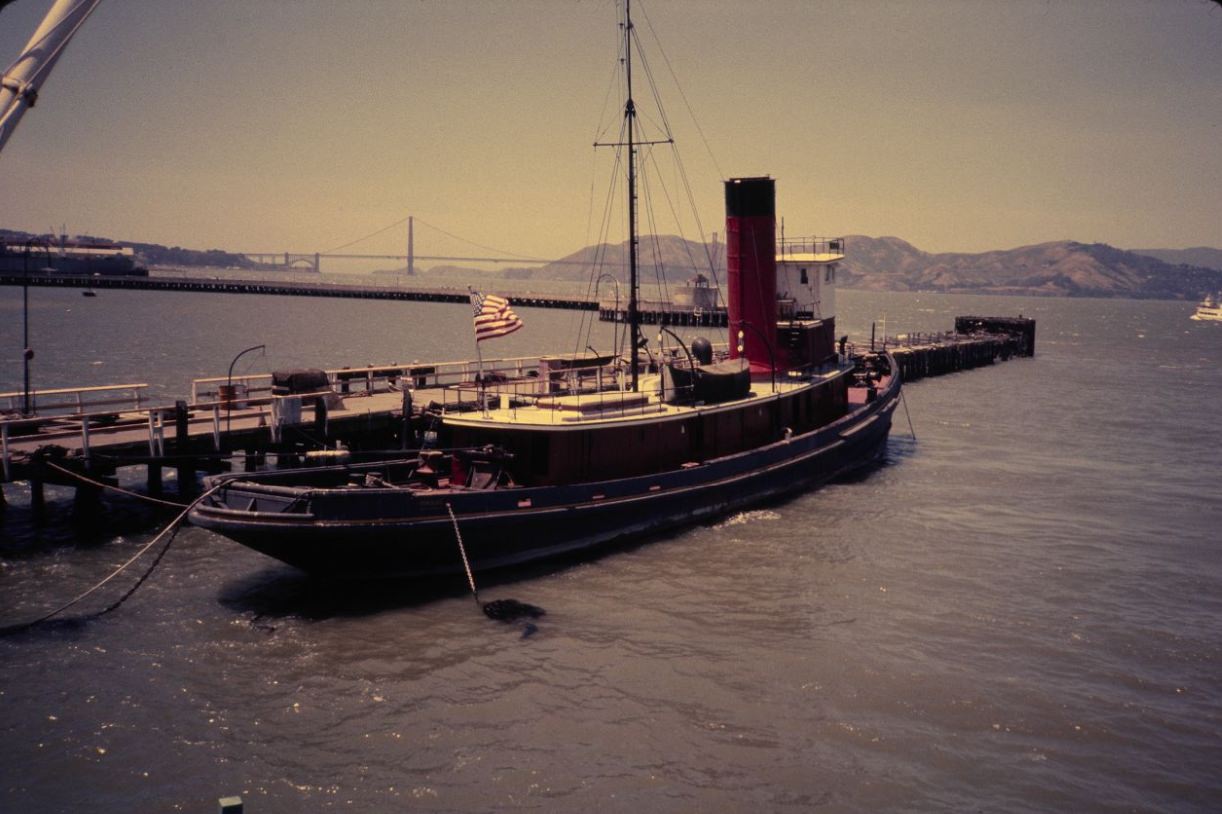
<point x="320" y="418"/>
<point x="182" y="449"/>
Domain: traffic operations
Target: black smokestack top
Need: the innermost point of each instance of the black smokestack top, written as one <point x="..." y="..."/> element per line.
<point x="751" y="197"/>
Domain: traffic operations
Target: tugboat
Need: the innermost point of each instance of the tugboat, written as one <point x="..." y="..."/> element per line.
<point x="1210" y="308"/>
<point x="611" y="448"/>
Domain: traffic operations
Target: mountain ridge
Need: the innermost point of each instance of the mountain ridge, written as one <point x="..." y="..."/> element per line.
<point x="1054" y="268"/>
<point x="1060" y="268"/>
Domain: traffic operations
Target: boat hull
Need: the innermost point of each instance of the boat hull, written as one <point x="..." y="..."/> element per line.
<point x="367" y="533"/>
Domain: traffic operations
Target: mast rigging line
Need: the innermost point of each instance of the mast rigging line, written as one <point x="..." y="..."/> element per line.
<point x="670" y="68"/>
<point x="633" y="148"/>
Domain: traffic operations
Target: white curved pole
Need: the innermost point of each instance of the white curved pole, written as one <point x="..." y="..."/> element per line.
<point x="20" y="83"/>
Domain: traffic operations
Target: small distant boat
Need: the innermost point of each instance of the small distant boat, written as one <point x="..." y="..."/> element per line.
<point x="89" y="292"/>
<point x="1210" y="309"/>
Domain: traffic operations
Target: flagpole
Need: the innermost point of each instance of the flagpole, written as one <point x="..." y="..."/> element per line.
<point x="479" y="364"/>
<point x="479" y="377"/>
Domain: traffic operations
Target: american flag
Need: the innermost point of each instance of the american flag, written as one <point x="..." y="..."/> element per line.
<point x="493" y="316"/>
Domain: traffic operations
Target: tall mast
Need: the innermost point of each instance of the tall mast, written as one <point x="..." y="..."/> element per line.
<point x="634" y="319"/>
<point x="632" y="143"/>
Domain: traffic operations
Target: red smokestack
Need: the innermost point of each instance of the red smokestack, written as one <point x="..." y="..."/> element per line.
<point x="751" y="269"/>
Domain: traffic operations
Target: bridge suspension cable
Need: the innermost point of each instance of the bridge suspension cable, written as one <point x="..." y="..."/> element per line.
<point x="400" y="222"/>
<point x="366" y="237"/>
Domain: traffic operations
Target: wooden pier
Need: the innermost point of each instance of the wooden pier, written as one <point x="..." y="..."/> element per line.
<point x="665" y="313"/>
<point x="287" y="288"/>
<point x="975" y="342"/>
<point x="652" y="312"/>
<point x="83" y="437"/>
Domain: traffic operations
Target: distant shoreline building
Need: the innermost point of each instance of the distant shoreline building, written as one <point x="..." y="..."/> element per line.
<point x="63" y="255"/>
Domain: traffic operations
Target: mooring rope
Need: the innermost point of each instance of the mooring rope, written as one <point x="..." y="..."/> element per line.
<point x="904" y="402"/>
<point x="118" y="489"/>
<point x="172" y="527"/>
<point x="503" y="610"/>
<point x="463" y="550"/>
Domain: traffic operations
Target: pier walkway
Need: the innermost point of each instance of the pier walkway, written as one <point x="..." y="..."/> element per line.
<point x="374" y="410"/>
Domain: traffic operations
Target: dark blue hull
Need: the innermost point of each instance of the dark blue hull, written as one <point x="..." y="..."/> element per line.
<point x="401" y="533"/>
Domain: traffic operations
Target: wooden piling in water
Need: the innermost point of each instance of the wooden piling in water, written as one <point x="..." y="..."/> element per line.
<point x="182" y="449"/>
<point x="320" y="419"/>
<point x="938" y="356"/>
<point x="38" y="497"/>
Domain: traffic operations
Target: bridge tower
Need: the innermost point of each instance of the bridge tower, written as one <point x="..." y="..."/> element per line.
<point x="411" y="254"/>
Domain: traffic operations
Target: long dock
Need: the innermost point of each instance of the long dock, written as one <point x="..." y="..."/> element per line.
<point x="652" y="312"/>
<point x="975" y="342"/>
<point x="285" y="288"/>
<point x="91" y="433"/>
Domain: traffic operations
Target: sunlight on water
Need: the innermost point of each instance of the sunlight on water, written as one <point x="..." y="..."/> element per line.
<point x="1019" y="610"/>
<point x="747" y="518"/>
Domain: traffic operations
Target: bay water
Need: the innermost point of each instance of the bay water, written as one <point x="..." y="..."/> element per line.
<point x="1019" y="609"/>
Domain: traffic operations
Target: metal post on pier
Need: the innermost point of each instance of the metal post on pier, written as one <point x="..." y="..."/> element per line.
<point x="406" y="432"/>
<point x="27" y="353"/>
<point x="229" y="396"/>
<point x="182" y="449"/>
<point x="85" y="439"/>
<point x="320" y="418"/>
<point x="8" y="471"/>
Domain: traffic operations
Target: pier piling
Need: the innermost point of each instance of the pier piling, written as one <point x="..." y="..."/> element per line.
<point x="182" y="449"/>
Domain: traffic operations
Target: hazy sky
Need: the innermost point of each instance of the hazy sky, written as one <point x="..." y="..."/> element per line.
<point x="300" y="126"/>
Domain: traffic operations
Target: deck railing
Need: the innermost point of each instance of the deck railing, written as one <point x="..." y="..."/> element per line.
<point x="76" y="399"/>
<point x="789" y="246"/>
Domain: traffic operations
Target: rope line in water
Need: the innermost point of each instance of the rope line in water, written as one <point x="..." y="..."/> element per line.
<point x="904" y="402"/>
<point x="172" y="527"/>
<point x="503" y="610"/>
<point x="118" y="489"/>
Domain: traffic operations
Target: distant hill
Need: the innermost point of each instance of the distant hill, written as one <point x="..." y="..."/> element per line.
<point x="1062" y="268"/>
<point x="1199" y="256"/>
<point x="680" y="259"/>
<point x="1059" y="269"/>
